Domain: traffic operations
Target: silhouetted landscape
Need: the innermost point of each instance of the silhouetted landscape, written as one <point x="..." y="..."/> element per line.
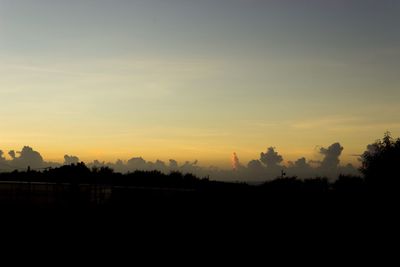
<point x="77" y="187"/>
<point x="168" y="116"/>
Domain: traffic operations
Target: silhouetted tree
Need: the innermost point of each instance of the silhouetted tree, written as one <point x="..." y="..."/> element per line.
<point x="381" y="163"/>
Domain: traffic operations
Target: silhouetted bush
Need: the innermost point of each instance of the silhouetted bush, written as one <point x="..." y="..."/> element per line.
<point x="381" y="163"/>
<point x="349" y="184"/>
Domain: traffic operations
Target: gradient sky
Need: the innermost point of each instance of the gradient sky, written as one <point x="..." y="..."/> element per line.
<point x="197" y="79"/>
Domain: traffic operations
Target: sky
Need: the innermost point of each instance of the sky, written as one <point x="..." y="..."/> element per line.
<point x="198" y="80"/>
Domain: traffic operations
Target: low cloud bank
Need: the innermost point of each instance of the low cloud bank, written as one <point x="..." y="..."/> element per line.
<point x="23" y="159"/>
<point x="268" y="166"/>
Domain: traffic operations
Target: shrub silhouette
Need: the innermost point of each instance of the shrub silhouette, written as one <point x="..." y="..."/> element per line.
<point x="381" y="163"/>
<point x="349" y="184"/>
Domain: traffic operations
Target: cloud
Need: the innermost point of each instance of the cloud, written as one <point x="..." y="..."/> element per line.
<point x="23" y="159"/>
<point x="235" y="162"/>
<point x="2" y="158"/>
<point x="255" y="171"/>
<point x="4" y="165"/>
<point x="137" y="163"/>
<point x="300" y="168"/>
<point x="190" y="167"/>
<point x="331" y="156"/>
<point x="173" y="164"/>
<point x="300" y="164"/>
<point x="12" y="154"/>
<point x="271" y="159"/>
<point x="28" y="158"/>
<point x="267" y="167"/>
<point x="68" y="160"/>
<point x="255" y="165"/>
<point x="159" y="165"/>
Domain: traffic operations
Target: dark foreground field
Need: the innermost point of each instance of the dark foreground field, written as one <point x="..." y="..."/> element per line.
<point x="154" y="210"/>
<point x="76" y="188"/>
